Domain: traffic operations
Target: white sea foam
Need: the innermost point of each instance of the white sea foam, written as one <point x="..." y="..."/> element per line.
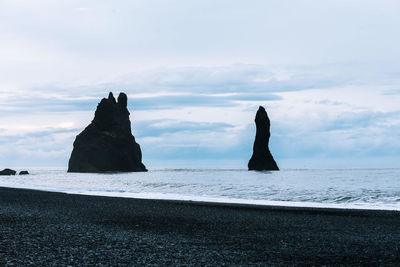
<point x="334" y="188"/>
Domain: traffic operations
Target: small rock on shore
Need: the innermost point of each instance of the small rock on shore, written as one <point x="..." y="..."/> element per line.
<point x="7" y="172"/>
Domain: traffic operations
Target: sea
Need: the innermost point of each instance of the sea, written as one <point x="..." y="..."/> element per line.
<point x="328" y="188"/>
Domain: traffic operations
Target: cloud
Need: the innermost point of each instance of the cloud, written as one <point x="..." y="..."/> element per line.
<point x="207" y="113"/>
<point x="26" y="104"/>
<point x="362" y="120"/>
<point x="237" y="78"/>
<point x="159" y="128"/>
<point x="48" y="147"/>
<point x="168" y="88"/>
<point x="195" y="141"/>
<point x="391" y="92"/>
<point x="197" y="113"/>
<point x="150" y="102"/>
<point x="353" y="134"/>
<point x="196" y="100"/>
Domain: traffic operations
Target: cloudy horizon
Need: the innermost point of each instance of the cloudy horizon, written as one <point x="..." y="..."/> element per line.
<point x="195" y="73"/>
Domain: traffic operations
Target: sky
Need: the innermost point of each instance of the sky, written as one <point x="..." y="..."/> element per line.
<point x="195" y="72"/>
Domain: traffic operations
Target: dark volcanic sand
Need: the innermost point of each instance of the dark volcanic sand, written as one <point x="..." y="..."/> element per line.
<point x="59" y="229"/>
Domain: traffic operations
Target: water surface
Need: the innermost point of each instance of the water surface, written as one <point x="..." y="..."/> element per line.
<point x="341" y="188"/>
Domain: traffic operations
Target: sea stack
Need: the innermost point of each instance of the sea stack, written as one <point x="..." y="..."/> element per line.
<point x="107" y="144"/>
<point x="262" y="160"/>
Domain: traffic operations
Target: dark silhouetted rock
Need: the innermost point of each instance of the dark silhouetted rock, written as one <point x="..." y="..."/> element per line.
<point x="7" y="172"/>
<point x="23" y="173"/>
<point x="107" y="144"/>
<point x="262" y="160"/>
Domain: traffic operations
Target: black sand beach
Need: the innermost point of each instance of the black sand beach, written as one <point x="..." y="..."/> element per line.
<point x="45" y="228"/>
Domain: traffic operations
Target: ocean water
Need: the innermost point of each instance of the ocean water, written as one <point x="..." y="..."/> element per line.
<point x="338" y="188"/>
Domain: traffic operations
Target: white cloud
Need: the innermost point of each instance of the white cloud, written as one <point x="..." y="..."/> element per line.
<point x="44" y="41"/>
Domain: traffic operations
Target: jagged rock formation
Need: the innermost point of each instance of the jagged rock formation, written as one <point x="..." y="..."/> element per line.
<point x="23" y="173"/>
<point x="7" y="172"/>
<point x="262" y="160"/>
<point x="107" y="144"/>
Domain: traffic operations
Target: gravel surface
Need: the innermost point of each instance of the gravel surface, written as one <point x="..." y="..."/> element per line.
<point x="44" y="228"/>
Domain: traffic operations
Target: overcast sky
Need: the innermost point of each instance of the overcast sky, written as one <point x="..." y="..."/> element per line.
<point x="328" y="73"/>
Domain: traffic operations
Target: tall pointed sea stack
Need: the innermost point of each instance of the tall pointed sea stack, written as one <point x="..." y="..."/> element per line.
<point x="107" y="144"/>
<point x="262" y="160"/>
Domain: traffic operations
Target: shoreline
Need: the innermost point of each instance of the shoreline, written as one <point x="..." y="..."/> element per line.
<point x="46" y="228"/>
<point x="263" y="204"/>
